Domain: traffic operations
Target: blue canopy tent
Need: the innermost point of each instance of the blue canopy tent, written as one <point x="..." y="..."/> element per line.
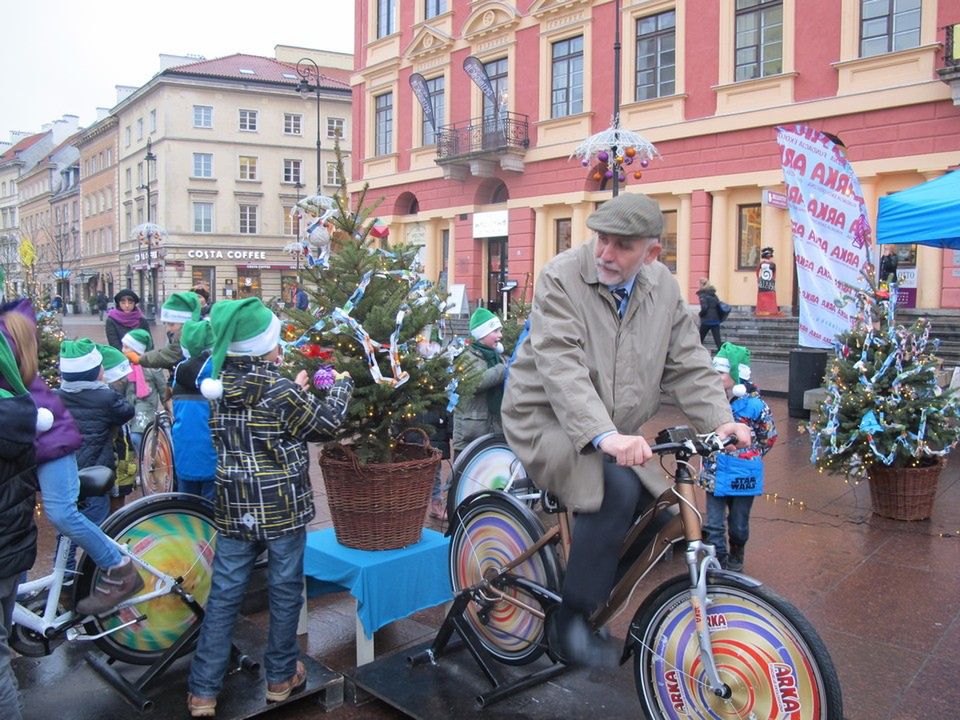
<point x="928" y="214"/>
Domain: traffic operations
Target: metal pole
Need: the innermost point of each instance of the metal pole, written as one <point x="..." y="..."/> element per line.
<point x="304" y="87"/>
<point x="152" y="275"/>
<point x="319" y="181"/>
<point x="615" y="150"/>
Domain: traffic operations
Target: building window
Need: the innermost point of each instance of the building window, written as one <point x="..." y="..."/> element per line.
<point x="139" y="128"/>
<point x="202" y="116"/>
<point x="435" y="90"/>
<point x="889" y="26"/>
<point x="291" y="222"/>
<point x="333" y="177"/>
<point x="153" y="121"/>
<point x="386" y="17"/>
<point x="203" y="165"/>
<point x="759" y="41"/>
<point x="128" y="218"/>
<point x="564" y="232"/>
<point x="204" y="276"/>
<point x="497" y="72"/>
<point x="292" y="124"/>
<point x="128" y="180"/>
<point x="248" y="120"/>
<point x="203" y="217"/>
<point x="248" y="219"/>
<point x="291" y="171"/>
<point x="334" y="127"/>
<point x="748" y="236"/>
<point x="248" y="167"/>
<point x="127" y="135"/>
<point x="656" y="55"/>
<point x="139" y="175"/>
<point x="566" y="89"/>
<point x="383" y="143"/>
<point x="109" y="157"/>
<point x="249" y="279"/>
<point x="434" y="8"/>
<point x="668" y="240"/>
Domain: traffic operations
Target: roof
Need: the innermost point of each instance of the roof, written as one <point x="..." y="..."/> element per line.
<point x="25" y="143"/>
<point x="255" y="68"/>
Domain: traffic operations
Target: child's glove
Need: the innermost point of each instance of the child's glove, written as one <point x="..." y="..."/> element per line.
<point x="132" y="357"/>
<point x="338" y="375"/>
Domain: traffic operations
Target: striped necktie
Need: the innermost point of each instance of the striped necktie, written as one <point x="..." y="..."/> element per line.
<point x="621" y="295"/>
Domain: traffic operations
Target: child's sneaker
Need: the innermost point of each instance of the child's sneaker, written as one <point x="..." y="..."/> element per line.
<point x="114" y="586"/>
<point x="735" y="558"/>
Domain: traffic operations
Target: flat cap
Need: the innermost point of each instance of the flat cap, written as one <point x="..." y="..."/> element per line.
<point x="629" y="215"/>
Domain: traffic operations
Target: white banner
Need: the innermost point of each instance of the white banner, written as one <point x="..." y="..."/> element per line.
<point x="831" y="233"/>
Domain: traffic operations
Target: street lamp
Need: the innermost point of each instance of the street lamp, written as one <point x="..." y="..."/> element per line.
<point x="299" y="187"/>
<point x="305" y="88"/>
<point x="152" y="276"/>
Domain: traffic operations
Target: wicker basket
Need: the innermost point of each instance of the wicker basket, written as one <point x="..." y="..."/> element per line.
<point x="904" y="493"/>
<point x="379" y="506"/>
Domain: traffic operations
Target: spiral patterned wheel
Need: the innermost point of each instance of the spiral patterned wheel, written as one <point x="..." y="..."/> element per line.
<point x="488" y="531"/>
<point x="175" y="534"/>
<point x="767" y="653"/>
<point x="486" y="464"/>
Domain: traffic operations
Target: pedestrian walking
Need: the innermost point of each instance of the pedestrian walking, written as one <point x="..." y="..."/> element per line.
<point x="711" y="315"/>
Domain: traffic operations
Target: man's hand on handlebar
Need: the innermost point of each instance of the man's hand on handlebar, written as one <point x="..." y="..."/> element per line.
<point x="629" y="450"/>
<point x="739" y="430"/>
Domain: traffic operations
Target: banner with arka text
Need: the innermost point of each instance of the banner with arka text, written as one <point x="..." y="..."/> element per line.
<point x="831" y="233"/>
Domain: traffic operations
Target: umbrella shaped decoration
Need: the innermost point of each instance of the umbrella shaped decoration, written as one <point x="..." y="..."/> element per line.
<point x="151" y="232"/>
<point x="613" y="150"/>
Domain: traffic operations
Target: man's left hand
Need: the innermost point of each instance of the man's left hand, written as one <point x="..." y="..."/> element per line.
<point x="741" y="431"/>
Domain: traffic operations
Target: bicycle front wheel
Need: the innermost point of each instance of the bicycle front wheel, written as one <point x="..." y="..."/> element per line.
<point x="765" y="650"/>
<point x="487" y="531"/>
<point x="488" y="463"/>
<point x="174" y="533"/>
<point x="156" y="460"/>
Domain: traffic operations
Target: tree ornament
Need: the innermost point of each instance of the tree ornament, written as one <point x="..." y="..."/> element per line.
<point x="603" y="156"/>
<point x="630" y="152"/>
<point x="323" y="378"/>
<point x="637" y="174"/>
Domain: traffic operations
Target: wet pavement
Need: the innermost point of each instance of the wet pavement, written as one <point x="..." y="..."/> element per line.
<point x="882" y="594"/>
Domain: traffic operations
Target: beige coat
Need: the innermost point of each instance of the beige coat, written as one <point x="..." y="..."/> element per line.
<point x="583" y="371"/>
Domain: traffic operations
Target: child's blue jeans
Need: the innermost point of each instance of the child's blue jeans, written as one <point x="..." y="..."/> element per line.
<point x="232" y="564"/>
<point x="718" y="519"/>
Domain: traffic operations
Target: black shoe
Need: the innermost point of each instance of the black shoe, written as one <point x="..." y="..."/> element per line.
<point x="735" y="558"/>
<point x="573" y="643"/>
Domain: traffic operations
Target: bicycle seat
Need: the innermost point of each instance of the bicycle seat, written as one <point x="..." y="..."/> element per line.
<point x="95" y="480"/>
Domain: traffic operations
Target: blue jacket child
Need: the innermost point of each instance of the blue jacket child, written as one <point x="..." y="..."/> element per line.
<point x="730" y="502"/>
<point x="194" y="457"/>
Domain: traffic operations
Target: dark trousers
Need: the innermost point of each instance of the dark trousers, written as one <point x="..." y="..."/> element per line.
<point x="715" y="329"/>
<point x="598" y="537"/>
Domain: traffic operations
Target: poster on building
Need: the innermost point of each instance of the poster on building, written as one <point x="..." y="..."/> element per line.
<point x="831" y="233"/>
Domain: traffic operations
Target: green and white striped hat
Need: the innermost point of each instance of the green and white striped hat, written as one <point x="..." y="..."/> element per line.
<point x="196" y="336"/>
<point x="115" y="363"/>
<point x="180" y="307"/>
<point x="138" y="340"/>
<point x="77" y="356"/>
<point x="240" y="327"/>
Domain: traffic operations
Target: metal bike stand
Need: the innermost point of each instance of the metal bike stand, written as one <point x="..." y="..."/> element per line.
<point x="502" y="688"/>
<point x="133" y="692"/>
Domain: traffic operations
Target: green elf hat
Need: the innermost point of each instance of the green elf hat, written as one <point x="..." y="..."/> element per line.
<point x="11" y="373"/>
<point x="196" y="336"/>
<point x="180" y="307"/>
<point x="735" y="360"/>
<point x="240" y="327"/>
<point x="483" y="322"/>
<point x="79" y="356"/>
<point x="138" y="340"/>
<point x="115" y="363"/>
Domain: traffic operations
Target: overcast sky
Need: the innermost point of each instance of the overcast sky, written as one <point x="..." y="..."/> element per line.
<point x="65" y="57"/>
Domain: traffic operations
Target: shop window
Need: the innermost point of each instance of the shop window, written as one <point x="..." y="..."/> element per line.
<point x="668" y="240"/>
<point x="748" y="236"/>
<point x="288" y="287"/>
<point x="564" y="233"/>
<point x="249" y="280"/>
<point x="204" y="276"/>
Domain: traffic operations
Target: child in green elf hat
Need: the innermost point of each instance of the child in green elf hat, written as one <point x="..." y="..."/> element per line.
<point x="178" y="309"/>
<point x="194" y="456"/>
<point x="97" y="410"/>
<point x="261" y="425"/>
<point x="480" y="414"/>
<point x="733" y="480"/>
<point x="145" y="387"/>
<point x="116" y="369"/>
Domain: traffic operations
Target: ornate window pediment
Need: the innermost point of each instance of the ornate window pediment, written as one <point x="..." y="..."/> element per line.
<point x="491" y="18"/>
<point x="545" y="8"/>
<point x="428" y="41"/>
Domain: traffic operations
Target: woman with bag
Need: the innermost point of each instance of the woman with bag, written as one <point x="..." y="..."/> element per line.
<point x="711" y="314"/>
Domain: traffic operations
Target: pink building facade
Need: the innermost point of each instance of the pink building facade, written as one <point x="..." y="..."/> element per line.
<point x="489" y="188"/>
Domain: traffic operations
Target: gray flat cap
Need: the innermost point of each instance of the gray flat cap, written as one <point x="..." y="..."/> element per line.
<point x="629" y="215"/>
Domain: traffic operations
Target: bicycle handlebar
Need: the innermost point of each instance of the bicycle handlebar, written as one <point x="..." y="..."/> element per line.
<point x="681" y="440"/>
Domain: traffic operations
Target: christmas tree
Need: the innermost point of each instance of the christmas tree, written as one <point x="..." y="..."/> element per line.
<point x="884" y="405"/>
<point x="370" y="309"/>
<point x="50" y="335"/>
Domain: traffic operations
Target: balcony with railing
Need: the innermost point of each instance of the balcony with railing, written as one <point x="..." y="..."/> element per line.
<point x="482" y="145"/>
<point x="950" y="72"/>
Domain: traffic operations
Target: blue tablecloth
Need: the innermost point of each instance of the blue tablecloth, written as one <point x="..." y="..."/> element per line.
<point x="388" y="584"/>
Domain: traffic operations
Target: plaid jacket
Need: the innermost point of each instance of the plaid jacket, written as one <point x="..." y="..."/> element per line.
<point x="260" y="430"/>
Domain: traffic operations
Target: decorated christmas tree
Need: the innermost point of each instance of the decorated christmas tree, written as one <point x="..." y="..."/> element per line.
<point x="371" y="313"/>
<point x="884" y="405"/>
<point x="48" y="343"/>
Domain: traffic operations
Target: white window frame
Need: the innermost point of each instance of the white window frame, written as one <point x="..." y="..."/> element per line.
<point x="293" y="124"/>
<point x="248" y="120"/>
<point x="333" y="125"/>
<point x="203" y="219"/>
<point x="205" y="113"/>
<point x="248" y="166"/>
<point x="330" y="177"/>
<point x="248" y="212"/>
<point x="292" y="171"/>
<point x="200" y="157"/>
